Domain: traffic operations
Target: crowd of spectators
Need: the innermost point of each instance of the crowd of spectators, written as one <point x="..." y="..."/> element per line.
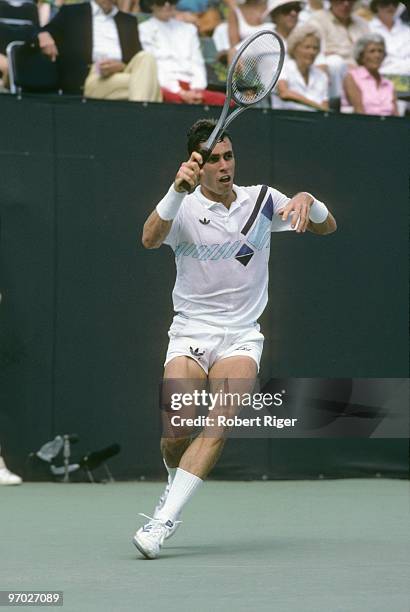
<point x="338" y="51"/>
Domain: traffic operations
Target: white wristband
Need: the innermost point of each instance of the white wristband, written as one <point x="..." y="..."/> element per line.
<point x="318" y="211"/>
<point x="170" y="204"/>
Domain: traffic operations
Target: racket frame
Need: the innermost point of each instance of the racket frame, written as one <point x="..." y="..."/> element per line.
<point x="224" y="121"/>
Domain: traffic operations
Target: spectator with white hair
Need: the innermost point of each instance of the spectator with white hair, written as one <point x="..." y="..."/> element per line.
<point x="302" y="86"/>
<point x="339" y="30"/>
<point x="396" y="34"/>
<point x="366" y="90"/>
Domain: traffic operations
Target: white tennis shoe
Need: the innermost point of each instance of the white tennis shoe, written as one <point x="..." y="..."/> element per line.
<point x="160" y="505"/>
<point x="7" y="477"/>
<point x="151" y="536"/>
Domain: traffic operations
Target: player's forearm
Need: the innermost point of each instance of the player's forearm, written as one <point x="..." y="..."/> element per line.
<point x="321" y="221"/>
<point x="155" y="231"/>
<point x="327" y="227"/>
<point x="158" y="224"/>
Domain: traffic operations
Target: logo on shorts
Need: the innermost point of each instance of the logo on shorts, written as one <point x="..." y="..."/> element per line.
<point x="204" y="221"/>
<point x="197" y="353"/>
<point x="243" y="348"/>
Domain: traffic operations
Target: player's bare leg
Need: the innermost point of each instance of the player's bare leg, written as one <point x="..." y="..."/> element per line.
<point x="150" y="537"/>
<point x="192" y="374"/>
<point x="201" y="456"/>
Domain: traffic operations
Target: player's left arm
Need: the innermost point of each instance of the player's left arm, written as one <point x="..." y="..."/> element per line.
<point x="310" y="214"/>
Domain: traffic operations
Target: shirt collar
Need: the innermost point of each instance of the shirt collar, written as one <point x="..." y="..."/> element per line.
<point x="241" y="196"/>
<point x="366" y="75"/>
<point x="381" y="26"/>
<point x="97" y="10"/>
<point x="338" y="22"/>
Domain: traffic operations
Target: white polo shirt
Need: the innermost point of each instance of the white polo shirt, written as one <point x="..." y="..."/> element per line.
<point x="222" y="255"/>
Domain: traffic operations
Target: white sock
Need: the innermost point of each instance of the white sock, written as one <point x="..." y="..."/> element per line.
<point x="171" y="472"/>
<point x="183" y="487"/>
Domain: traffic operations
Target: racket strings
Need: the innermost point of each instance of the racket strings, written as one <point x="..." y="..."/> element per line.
<point x="256" y="68"/>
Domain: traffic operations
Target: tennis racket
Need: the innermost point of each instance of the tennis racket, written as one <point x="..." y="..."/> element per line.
<point x="252" y="75"/>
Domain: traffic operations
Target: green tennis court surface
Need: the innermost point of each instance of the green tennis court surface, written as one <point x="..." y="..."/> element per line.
<point x="286" y="546"/>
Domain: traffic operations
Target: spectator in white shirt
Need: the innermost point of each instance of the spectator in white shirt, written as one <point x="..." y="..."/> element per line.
<point x="302" y="86"/>
<point x="176" y="48"/>
<point x="396" y="35"/>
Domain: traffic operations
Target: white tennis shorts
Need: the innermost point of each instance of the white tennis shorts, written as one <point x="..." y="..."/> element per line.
<point x="207" y="343"/>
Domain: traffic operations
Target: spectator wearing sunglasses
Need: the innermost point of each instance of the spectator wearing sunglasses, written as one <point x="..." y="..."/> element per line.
<point x="176" y="48"/>
<point x="339" y="30"/>
<point x="284" y="15"/>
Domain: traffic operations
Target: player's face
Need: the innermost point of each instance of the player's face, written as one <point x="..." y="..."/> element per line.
<point x="218" y="172"/>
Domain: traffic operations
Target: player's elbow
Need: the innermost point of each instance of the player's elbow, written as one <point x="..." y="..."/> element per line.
<point x="148" y="241"/>
<point x="332" y="225"/>
<point x="323" y="229"/>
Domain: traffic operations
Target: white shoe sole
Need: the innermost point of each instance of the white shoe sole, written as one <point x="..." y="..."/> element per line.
<point x="142" y="550"/>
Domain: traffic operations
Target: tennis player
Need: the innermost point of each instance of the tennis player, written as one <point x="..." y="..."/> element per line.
<point x="220" y="235"/>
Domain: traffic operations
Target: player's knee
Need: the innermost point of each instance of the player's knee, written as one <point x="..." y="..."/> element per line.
<point x="171" y="446"/>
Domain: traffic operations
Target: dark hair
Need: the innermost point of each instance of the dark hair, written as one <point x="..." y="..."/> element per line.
<point x="200" y="132"/>
<point x="374" y="4"/>
<point x="146" y="5"/>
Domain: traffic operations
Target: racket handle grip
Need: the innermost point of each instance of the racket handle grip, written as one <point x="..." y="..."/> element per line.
<point x="205" y="156"/>
<point x="186" y="186"/>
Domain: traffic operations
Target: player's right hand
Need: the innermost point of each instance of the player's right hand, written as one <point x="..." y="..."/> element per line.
<point x="189" y="172"/>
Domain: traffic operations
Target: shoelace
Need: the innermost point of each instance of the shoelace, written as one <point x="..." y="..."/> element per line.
<point x="156" y="525"/>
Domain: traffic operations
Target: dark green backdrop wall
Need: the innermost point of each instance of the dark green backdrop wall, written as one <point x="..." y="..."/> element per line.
<point x="85" y="308"/>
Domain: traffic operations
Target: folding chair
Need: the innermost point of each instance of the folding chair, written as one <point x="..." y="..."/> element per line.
<point x="30" y="70"/>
